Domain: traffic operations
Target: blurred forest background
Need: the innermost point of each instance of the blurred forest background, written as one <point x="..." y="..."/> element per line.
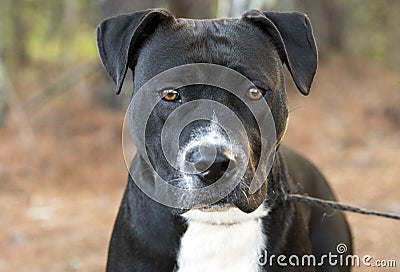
<point x="54" y="40"/>
<point x="62" y="172"/>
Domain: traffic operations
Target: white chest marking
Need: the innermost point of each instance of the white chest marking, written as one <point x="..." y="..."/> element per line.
<point x="222" y="241"/>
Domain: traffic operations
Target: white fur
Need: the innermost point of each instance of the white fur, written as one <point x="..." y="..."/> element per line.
<point x="230" y="241"/>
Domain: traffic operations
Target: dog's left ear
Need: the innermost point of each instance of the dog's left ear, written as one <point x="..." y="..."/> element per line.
<point x="293" y="35"/>
<point x="119" y="38"/>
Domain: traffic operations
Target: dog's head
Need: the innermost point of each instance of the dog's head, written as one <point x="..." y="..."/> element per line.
<point x="256" y="46"/>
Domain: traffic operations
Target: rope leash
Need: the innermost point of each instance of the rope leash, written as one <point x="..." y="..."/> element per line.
<point x="337" y="206"/>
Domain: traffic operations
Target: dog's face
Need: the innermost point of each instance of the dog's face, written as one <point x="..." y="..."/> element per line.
<point x="255" y="45"/>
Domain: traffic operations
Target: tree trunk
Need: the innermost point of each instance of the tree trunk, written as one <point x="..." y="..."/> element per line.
<point x="328" y="20"/>
<point x="393" y="33"/>
<point x="114" y="7"/>
<point x="17" y="42"/>
<point x="196" y="9"/>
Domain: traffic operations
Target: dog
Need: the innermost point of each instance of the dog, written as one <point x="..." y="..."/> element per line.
<point x="243" y="230"/>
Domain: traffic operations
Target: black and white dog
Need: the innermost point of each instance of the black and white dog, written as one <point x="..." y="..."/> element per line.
<point x="244" y="230"/>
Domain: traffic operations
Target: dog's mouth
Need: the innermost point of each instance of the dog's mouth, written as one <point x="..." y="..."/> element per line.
<point x="239" y="198"/>
<point x="215" y="200"/>
<point x="222" y="207"/>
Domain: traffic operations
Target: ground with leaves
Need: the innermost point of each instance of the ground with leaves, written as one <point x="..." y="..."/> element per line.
<point x="62" y="172"/>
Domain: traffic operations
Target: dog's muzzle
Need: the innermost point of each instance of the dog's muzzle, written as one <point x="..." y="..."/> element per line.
<point x="211" y="161"/>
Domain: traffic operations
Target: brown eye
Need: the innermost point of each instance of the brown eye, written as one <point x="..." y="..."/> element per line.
<point x="254" y="93"/>
<point x="170" y="95"/>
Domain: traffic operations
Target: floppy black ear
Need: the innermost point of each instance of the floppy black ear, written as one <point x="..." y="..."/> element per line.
<point x="119" y="37"/>
<point x="294" y="37"/>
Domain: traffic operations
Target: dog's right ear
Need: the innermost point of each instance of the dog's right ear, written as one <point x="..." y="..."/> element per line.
<point x="119" y="37"/>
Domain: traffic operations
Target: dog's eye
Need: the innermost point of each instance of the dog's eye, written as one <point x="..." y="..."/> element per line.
<point x="254" y="93"/>
<point x="170" y="95"/>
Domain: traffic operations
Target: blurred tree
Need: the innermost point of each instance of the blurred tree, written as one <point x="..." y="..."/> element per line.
<point x="113" y="7"/>
<point x="373" y="32"/>
<point x="14" y="32"/>
<point x="3" y="95"/>
<point x="393" y="33"/>
<point x="193" y="8"/>
<point x="328" y="18"/>
<point x="235" y="8"/>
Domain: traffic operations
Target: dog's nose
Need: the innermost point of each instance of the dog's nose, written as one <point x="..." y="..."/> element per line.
<point x="211" y="161"/>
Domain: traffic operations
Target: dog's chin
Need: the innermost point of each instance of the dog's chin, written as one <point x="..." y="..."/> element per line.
<point x="242" y="201"/>
<point x="238" y="198"/>
<point x="217" y="207"/>
<point x="243" y="207"/>
<point x="245" y="201"/>
<point x="247" y="207"/>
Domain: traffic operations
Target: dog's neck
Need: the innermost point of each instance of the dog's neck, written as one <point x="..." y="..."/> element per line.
<point x="279" y="182"/>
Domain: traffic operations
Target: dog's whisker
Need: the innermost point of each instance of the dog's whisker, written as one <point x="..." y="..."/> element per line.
<point x="296" y="108"/>
<point x="247" y="186"/>
<point x="245" y="196"/>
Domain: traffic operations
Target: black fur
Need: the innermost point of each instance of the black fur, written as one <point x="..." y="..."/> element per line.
<point x="146" y="235"/>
